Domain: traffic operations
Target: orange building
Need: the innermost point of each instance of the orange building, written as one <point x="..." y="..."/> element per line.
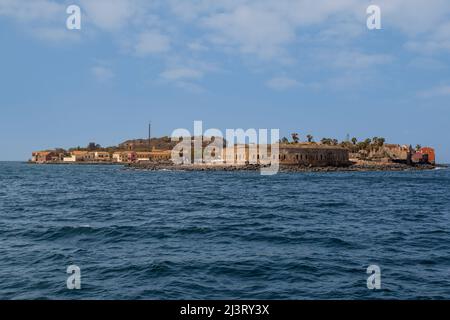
<point x="430" y="152"/>
<point x="43" y="156"/>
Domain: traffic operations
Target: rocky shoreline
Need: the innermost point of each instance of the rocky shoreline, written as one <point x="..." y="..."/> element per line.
<point x="80" y="163"/>
<point x="150" y="166"/>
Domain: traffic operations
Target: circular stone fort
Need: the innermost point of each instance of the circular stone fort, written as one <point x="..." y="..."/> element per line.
<point x="314" y="155"/>
<point x="299" y="154"/>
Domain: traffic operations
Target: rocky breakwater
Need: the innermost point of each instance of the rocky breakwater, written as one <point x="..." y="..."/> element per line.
<point x="158" y="166"/>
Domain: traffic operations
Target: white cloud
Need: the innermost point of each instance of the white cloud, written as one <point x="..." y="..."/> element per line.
<point x="181" y="73"/>
<point x="252" y="30"/>
<point x="414" y="17"/>
<point x="187" y="73"/>
<point x="43" y="19"/>
<point x="439" y="91"/>
<point x="427" y="63"/>
<point x="250" y="24"/>
<point x="152" y="42"/>
<point x="185" y="78"/>
<point x="192" y="10"/>
<point x="55" y="35"/>
<point x="264" y="28"/>
<point x="197" y="46"/>
<point x="32" y="10"/>
<point x="102" y="73"/>
<point x="112" y="15"/>
<point x="282" y="83"/>
<point x="273" y="31"/>
<point x="428" y="47"/>
<point x="341" y="31"/>
<point x="267" y="28"/>
<point x="357" y="60"/>
<point x="190" y="86"/>
<point x="438" y="41"/>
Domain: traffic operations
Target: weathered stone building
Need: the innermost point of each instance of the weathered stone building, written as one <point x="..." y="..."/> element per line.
<point x="43" y="156"/>
<point x="314" y="155"/>
<point x="430" y="154"/>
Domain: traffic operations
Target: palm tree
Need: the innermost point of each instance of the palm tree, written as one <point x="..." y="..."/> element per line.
<point x="284" y="140"/>
<point x="364" y="144"/>
<point x="418" y="147"/>
<point x="310" y="138"/>
<point x="354" y="140"/>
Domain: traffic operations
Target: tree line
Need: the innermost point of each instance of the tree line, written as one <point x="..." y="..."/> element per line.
<point x="352" y="144"/>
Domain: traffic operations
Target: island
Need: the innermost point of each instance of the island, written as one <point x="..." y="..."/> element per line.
<point x="292" y="155"/>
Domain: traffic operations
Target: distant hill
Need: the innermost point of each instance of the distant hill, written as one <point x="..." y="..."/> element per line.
<point x="163" y="143"/>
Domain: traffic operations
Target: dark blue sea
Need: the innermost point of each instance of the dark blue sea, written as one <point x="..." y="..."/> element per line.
<point x="222" y="235"/>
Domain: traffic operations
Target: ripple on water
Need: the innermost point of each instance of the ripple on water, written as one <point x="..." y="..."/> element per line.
<point x="219" y="235"/>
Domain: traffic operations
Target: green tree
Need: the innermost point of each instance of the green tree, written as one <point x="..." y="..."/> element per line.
<point x="377" y="143"/>
<point x="310" y="138"/>
<point x="364" y="145"/>
<point x="354" y="141"/>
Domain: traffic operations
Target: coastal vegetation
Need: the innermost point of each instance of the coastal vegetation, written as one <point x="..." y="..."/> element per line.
<point x="140" y="145"/>
<point x="353" y="145"/>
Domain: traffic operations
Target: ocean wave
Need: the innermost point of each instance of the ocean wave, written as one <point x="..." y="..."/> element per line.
<point x="223" y="235"/>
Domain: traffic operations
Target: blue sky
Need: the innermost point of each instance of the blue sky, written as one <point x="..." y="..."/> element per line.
<point x="303" y="66"/>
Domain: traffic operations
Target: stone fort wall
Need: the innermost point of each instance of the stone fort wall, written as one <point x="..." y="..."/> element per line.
<point x="300" y="155"/>
<point x="319" y="156"/>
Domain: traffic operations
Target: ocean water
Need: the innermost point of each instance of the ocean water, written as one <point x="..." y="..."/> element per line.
<point x="222" y="235"/>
